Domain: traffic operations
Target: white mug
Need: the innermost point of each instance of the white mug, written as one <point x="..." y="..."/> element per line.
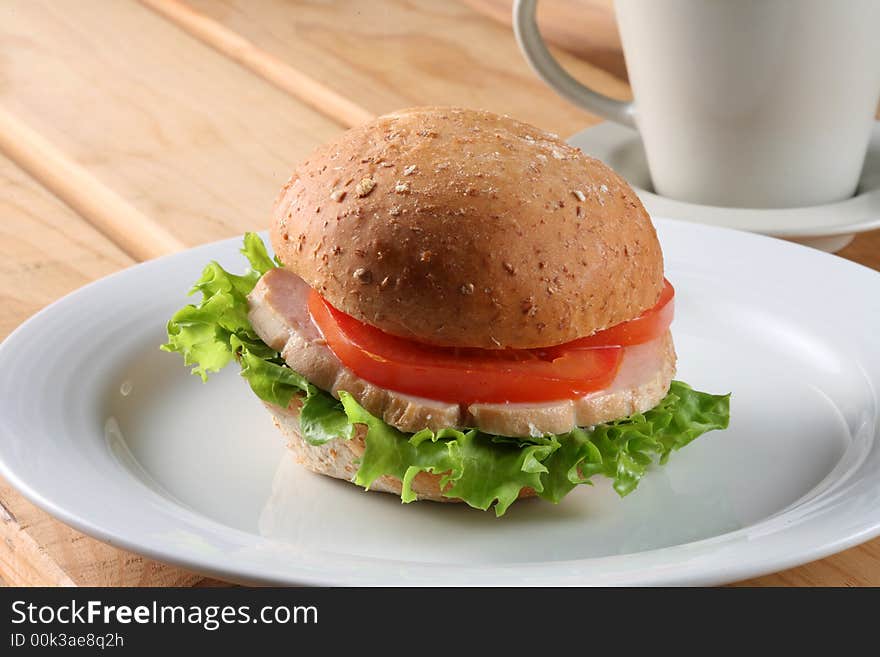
<point x="743" y="103"/>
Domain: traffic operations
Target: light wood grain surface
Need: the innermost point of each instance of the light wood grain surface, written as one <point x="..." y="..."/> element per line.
<point x="396" y="53"/>
<point x="585" y="28"/>
<point x="186" y="136"/>
<point x="132" y="129"/>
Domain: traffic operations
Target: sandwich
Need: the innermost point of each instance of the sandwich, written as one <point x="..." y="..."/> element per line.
<point x="460" y="308"/>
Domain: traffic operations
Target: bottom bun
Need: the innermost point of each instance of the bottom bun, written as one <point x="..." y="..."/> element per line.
<point x="338" y="458"/>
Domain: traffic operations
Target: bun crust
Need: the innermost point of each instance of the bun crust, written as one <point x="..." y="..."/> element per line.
<point x="464" y="228"/>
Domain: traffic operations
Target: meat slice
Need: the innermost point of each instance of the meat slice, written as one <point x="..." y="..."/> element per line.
<point x="641" y="382"/>
<point x="279" y="315"/>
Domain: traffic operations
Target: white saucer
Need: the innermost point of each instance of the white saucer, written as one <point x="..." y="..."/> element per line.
<point x="828" y="227"/>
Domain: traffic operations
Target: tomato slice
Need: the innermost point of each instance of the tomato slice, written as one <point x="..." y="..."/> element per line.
<point x="467" y="376"/>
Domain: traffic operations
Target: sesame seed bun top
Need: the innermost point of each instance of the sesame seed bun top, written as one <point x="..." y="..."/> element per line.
<point x="464" y="228"/>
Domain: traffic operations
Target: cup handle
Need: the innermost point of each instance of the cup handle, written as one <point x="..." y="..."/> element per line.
<point x="545" y="65"/>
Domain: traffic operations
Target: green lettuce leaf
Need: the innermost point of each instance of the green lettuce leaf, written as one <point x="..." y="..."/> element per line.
<point x="209" y="335"/>
<point x="481" y="469"/>
<point x="495" y="472"/>
<point x="217" y="331"/>
<point x="623" y="450"/>
<point x="392" y="452"/>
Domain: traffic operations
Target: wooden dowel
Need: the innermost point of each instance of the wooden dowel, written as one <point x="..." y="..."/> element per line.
<point x="131" y="230"/>
<point x="296" y="83"/>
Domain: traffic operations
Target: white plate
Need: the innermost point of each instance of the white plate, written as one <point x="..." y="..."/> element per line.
<point x="114" y="437"/>
<point x="828" y="227"/>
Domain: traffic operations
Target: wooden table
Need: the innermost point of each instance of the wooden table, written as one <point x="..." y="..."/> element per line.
<point x="132" y="129"/>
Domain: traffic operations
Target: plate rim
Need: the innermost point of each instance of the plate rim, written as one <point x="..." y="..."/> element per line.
<point x="247" y="574"/>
